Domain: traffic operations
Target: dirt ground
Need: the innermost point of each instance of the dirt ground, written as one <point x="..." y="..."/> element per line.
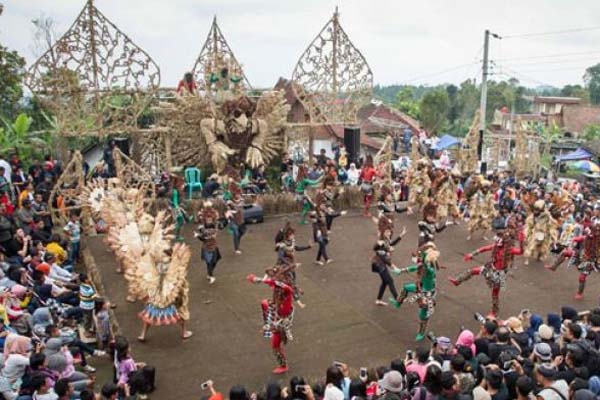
<point x="340" y="322"/>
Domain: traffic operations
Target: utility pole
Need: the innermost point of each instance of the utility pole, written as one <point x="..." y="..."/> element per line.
<point x="484" y="75"/>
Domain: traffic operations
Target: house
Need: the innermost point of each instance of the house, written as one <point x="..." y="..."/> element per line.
<point x="552" y="105"/>
<point x="575" y="118"/>
<point x="373" y="119"/>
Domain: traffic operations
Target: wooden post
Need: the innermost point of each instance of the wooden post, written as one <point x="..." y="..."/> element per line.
<point x="310" y="144"/>
<point x="168" y="158"/>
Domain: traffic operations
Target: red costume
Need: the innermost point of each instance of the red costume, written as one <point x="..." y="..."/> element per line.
<point x="367" y="174"/>
<point x="585" y="253"/>
<point x="494" y="271"/>
<point x="278" y="313"/>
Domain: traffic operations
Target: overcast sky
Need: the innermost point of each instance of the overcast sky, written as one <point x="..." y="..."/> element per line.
<point x="403" y="41"/>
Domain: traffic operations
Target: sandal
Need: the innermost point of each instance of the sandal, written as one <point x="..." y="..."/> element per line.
<point x="187" y="335"/>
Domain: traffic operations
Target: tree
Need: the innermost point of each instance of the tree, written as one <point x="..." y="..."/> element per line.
<point x="11" y="77"/>
<point x="406" y="103"/>
<point x="592" y="132"/>
<point x="17" y="137"/>
<point x="434" y="109"/>
<point x="576" y="91"/>
<point x="550" y="134"/>
<point x="592" y="83"/>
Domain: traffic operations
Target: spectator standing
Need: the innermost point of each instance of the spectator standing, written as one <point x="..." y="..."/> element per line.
<point x="73" y="231"/>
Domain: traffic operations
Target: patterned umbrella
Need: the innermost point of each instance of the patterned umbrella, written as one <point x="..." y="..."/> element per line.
<point x="586" y="165"/>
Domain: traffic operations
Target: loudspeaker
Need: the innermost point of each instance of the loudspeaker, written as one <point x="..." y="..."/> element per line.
<point x="480" y="145"/>
<point x="123" y="144"/>
<point x="483" y="170"/>
<point x="352" y="142"/>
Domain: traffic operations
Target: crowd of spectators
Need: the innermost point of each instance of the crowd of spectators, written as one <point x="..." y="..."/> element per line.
<point x="523" y="357"/>
<point x="52" y="320"/>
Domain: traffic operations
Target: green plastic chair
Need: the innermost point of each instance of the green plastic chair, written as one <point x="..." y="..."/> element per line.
<point x="192" y="177"/>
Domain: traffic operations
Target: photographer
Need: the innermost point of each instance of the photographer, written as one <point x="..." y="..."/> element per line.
<point x="418" y="363"/>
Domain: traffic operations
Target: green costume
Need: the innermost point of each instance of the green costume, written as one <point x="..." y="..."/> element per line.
<point x="422" y="291"/>
<point x="178" y="214"/>
<point x="301" y="196"/>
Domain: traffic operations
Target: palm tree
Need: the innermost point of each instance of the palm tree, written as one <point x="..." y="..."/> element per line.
<point x="550" y="134"/>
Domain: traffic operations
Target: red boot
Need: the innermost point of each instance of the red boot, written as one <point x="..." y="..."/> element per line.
<point x="578" y="296"/>
<point x="454" y="281"/>
<point x="282" y="369"/>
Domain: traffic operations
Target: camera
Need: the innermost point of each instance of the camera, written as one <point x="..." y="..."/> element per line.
<point x="338" y="364"/>
<point x="479" y="318"/>
<point x="507" y="365"/>
<point x="363" y="373"/>
<point x="204" y="385"/>
<point x="409" y="354"/>
<point x="299" y="388"/>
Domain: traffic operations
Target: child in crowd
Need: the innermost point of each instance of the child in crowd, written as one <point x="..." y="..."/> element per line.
<point x="104" y="330"/>
<point x="87" y="296"/>
<point x="73" y="231"/>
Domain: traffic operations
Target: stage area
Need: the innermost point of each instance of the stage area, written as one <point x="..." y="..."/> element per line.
<point x="340" y="322"/>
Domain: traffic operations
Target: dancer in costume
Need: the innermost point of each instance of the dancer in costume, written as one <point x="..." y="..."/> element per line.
<point x="178" y="213"/>
<point x="286" y="248"/>
<point x="302" y="183"/>
<point x="420" y="185"/>
<point x="446" y="194"/>
<point x="324" y="201"/>
<point x="541" y="232"/>
<point x="428" y="226"/>
<point x="235" y="217"/>
<point x="584" y="253"/>
<point x="320" y="236"/>
<point x="481" y="209"/>
<point x="381" y="263"/>
<point x="422" y="291"/>
<point x="366" y="178"/>
<point x="207" y="234"/>
<point x="165" y="282"/>
<point x="278" y="313"/>
<point x="494" y="271"/>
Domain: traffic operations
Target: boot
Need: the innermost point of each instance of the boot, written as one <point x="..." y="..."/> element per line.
<point x="282" y="361"/>
<point x="397" y="302"/>
<point x="462" y="277"/>
<point x="580" y="289"/>
<point x="495" y="306"/>
<point x="422" y="328"/>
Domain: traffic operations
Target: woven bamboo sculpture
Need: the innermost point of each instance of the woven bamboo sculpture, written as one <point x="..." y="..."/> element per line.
<point x="65" y="196"/>
<point x="94" y="79"/>
<point x="332" y="79"/>
<point x="468" y="153"/>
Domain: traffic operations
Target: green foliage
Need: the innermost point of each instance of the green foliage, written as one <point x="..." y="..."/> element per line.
<point x="11" y="76"/>
<point x="550" y="134"/>
<point x="592" y="82"/>
<point x="17" y="137"/>
<point x="406" y="102"/>
<point x="434" y="108"/>
<point x="592" y="132"/>
<point x="576" y="91"/>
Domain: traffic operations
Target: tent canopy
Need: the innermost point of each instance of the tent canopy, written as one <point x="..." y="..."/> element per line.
<point x="579" y="154"/>
<point x="445" y="142"/>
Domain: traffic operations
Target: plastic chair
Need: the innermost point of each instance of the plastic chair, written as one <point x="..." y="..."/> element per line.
<point x="192" y="180"/>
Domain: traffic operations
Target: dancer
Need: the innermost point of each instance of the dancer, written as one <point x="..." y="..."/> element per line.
<point x="481" y="210"/>
<point x="235" y="216"/>
<point x="324" y="201"/>
<point x="446" y="194"/>
<point x="428" y="226"/>
<point x="207" y="234"/>
<point x="584" y="253"/>
<point x="286" y="248"/>
<point x="422" y="290"/>
<point x="381" y="263"/>
<point x="420" y="185"/>
<point x="366" y="177"/>
<point x="167" y="288"/>
<point x="541" y="232"/>
<point x="320" y="236"/>
<point x="278" y="313"/>
<point x="495" y="270"/>
<point x="302" y="183"/>
<point x="179" y="214"/>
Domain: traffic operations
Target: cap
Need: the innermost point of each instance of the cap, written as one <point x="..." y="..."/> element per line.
<point x="547" y="370"/>
<point x="543" y="352"/>
<point x="392" y="382"/>
<point x="443" y="342"/>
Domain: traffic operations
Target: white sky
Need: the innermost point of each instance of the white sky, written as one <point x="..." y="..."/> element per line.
<point x="403" y="41"/>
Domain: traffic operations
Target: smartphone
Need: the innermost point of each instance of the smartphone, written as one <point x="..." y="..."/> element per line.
<point x="338" y="364"/>
<point x="525" y="311"/>
<point x="204" y="385"/>
<point x="507" y="365"/>
<point x="409" y="354"/>
<point x="299" y="388"/>
<point x="479" y="318"/>
<point x="363" y="373"/>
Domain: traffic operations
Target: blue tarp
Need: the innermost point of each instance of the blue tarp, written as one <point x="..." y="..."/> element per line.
<point x="445" y="142"/>
<point x="579" y="154"/>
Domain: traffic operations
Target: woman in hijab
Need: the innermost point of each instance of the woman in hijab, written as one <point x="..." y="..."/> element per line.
<point x="60" y="360"/>
<point x="534" y="324"/>
<point x="353" y="174"/>
<point x="16" y="357"/>
<point x="41" y="318"/>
